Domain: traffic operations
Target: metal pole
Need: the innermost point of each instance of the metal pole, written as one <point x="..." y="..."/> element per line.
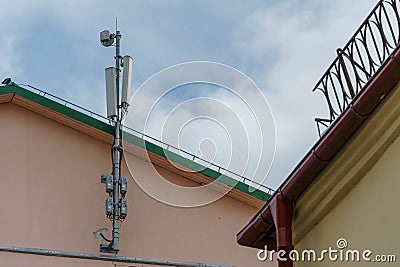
<point x="113" y="246"/>
<point x="117" y="152"/>
<point x="99" y="257"/>
<point x="118" y="66"/>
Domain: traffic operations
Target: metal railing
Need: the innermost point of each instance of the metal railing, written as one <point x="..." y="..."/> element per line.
<point x="160" y="143"/>
<point x="357" y="62"/>
<point x="201" y="161"/>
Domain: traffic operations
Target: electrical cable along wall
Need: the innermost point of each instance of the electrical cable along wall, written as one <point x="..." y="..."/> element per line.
<point x="98" y="257"/>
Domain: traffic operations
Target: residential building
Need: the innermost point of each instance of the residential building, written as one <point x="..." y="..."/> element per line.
<point x="52" y="155"/>
<point x="341" y="199"/>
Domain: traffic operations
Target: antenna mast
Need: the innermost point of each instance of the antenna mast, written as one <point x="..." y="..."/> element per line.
<point x="117" y="106"/>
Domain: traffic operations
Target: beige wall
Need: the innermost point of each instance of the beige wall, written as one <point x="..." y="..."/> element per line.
<point x="51" y="197"/>
<point x="368" y="217"/>
<point x="357" y="196"/>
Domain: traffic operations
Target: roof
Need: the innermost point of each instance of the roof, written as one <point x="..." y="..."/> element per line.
<point x="261" y="229"/>
<point x="98" y="127"/>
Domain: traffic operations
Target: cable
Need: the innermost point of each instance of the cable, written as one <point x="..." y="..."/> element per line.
<point x="123" y="265"/>
<point x="112" y="161"/>
<point x="106" y="239"/>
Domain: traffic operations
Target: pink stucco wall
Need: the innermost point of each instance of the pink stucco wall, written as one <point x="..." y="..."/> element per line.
<point x="51" y="197"/>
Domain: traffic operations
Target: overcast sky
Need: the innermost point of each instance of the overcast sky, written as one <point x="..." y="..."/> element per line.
<point x="283" y="46"/>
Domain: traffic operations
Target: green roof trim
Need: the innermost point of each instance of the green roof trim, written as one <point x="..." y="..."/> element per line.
<point x="100" y="125"/>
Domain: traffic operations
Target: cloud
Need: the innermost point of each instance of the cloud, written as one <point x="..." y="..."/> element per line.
<point x="219" y="104"/>
<point x="9" y="63"/>
<point x="288" y="47"/>
<point x="283" y="46"/>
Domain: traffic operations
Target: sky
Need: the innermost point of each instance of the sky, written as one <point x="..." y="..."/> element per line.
<point x="284" y="47"/>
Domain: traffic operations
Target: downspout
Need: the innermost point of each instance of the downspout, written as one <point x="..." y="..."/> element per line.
<point x="282" y="215"/>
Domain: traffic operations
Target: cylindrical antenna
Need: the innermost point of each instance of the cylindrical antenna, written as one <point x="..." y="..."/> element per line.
<point x="126" y="81"/>
<point x="111" y="92"/>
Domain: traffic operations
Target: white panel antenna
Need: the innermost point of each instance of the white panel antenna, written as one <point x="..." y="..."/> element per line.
<point x="126" y="80"/>
<point x="111" y="92"/>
